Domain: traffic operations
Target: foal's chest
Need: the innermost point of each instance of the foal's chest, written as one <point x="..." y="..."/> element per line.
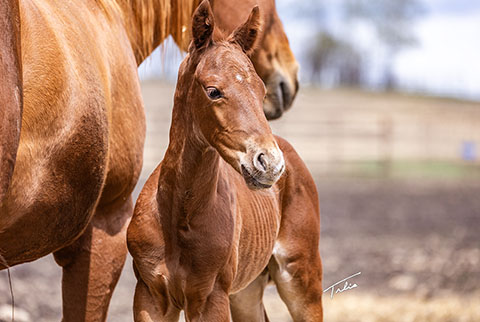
<point x="257" y="226"/>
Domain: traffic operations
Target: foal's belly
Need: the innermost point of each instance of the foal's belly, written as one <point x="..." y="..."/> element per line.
<point x="258" y="228"/>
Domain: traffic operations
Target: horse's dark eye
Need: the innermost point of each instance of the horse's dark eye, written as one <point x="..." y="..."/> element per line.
<point x="213" y="93"/>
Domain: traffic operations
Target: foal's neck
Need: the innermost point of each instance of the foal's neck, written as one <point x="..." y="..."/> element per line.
<point x="149" y="22"/>
<point x="195" y="163"/>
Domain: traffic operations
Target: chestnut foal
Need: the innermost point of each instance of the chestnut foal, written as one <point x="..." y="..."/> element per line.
<point x="226" y="208"/>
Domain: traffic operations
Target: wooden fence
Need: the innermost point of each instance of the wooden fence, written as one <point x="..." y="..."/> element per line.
<point x="331" y="129"/>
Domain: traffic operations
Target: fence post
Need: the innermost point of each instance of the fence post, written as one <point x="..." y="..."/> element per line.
<point x="386" y="134"/>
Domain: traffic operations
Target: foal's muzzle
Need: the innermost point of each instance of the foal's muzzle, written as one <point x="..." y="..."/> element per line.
<point x="263" y="168"/>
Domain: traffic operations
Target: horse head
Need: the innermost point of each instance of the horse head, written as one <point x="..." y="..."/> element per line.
<point x="225" y="98"/>
<point x="272" y="57"/>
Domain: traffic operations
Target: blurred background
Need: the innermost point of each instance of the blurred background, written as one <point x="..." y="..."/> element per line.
<point x="388" y="122"/>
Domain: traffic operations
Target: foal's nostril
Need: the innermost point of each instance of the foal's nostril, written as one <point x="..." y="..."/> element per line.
<point x="262" y="161"/>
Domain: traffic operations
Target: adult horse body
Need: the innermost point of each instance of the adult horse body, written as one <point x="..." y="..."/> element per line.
<point x="202" y="231"/>
<point x="79" y="152"/>
<point x="10" y="92"/>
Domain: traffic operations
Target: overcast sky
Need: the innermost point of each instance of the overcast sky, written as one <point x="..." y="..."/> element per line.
<point x="452" y="7"/>
<point x="445" y="62"/>
<point x="447" y="59"/>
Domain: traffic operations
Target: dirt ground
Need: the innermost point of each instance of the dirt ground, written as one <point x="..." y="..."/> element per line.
<point x="415" y="241"/>
<point x="416" y="245"/>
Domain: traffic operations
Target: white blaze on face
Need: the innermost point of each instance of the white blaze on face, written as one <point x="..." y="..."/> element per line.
<point x="239" y="77"/>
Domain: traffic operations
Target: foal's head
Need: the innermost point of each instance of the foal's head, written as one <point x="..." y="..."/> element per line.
<point x="225" y="98"/>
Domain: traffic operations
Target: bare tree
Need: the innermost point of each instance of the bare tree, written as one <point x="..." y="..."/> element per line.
<point x="393" y="23"/>
<point x="330" y="57"/>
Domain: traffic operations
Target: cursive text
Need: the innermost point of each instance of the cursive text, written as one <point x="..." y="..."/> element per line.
<point x="338" y="289"/>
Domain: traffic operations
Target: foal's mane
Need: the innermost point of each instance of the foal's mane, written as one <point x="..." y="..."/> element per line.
<point x="155" y="20"/>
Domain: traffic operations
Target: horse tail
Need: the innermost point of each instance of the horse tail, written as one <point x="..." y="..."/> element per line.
<point x="11" y="91"/>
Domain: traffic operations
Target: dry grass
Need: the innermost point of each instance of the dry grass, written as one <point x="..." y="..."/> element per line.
<point x="370" y="308"/>
<point x="360" y="307"/>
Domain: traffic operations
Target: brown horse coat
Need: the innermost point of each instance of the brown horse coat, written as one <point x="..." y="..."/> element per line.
<point x="272" y="58"/>
<point x="11" y="96"/>
<point x="81" y="144"/>
<point x="66" y="179"/>
<point x="203" y="230"/>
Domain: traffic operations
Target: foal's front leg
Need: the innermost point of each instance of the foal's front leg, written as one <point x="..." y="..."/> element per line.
<point x="247" y="305"/>
<point x="296" y="267"/>
<point x="149" y="308"/>
<point x="93" y="263"/>
<point x="211" y="308"/>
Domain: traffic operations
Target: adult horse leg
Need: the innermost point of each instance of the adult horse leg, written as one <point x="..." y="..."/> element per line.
<point x="93" y="263"/>
<point x="247" y="305"/>
<point x="295" y="266"/>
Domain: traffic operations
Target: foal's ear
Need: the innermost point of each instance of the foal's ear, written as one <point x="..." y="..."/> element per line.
<point x="202" y="25"/>
<point x="246" y="35"/>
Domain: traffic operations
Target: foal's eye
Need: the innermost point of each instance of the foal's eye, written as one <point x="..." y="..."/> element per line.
<point x="213" y="93"/>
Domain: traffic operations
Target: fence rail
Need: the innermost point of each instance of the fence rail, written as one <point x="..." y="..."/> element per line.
<point x="331" y="128"/>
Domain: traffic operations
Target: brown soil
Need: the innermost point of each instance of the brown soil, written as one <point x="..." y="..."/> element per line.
<point x="412" y="240"/>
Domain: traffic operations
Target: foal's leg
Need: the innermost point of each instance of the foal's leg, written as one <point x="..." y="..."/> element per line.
<point x="93" y="263"/>
<point x="247" y="305"/>
<point x="296" y="270"/>
<point x="211" y="308"/>
<point x="296" y="267"/>
<point x="149" y="308"/>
